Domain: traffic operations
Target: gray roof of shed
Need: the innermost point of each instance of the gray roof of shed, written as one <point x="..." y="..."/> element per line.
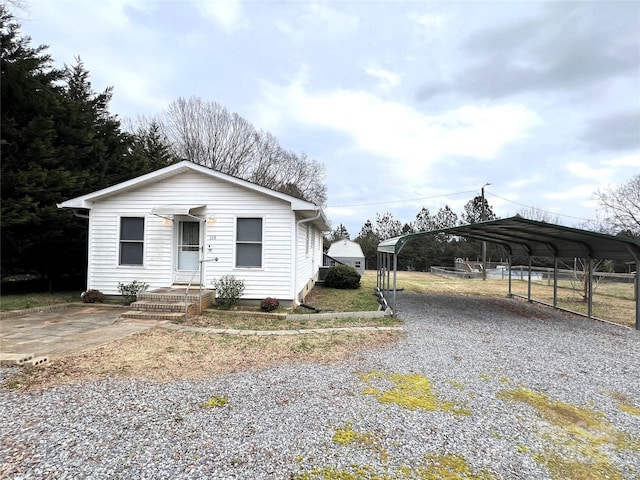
<point x="519" y="235"/>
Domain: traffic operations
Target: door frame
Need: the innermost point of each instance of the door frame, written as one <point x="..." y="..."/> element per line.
<point x="180" y="277"/>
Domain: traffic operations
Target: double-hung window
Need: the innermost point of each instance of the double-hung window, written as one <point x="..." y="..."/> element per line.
<point x="249" y="242"/>
<point x="131" y="240"/>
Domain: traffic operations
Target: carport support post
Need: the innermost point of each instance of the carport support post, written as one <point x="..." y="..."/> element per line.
<point x="529" y="282"/>
<point x="590" y="288"/>
<point x="389" y="271"/>
<point x="635" y="252"/>
<point x="555" y="281"/>
<point x="510" y="291"/>
<point x="395" y="271"/>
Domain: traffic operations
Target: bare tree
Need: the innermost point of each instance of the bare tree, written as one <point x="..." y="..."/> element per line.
<point x="535" y="213"/>
<point x="621" y="205"/>
<point x="208" y="134"/>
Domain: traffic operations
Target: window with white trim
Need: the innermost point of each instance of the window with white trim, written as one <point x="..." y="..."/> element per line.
<point x="131" y="240"/>
<point x="249" y="242"/>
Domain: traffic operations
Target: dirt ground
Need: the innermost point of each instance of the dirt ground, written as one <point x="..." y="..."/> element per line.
<point x="163" y="355"/>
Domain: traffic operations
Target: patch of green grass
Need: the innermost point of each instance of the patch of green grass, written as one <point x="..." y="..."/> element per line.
<point x="434" y="467"/>
<point x="215" y="402"/>
<point x="32" y="300"/>
<point x="577" y="447"/>
<point x="625" y="403"/>
<point x="344" y="300"/>
<point x="412" y="391"/>
<point x="251" y="321"/>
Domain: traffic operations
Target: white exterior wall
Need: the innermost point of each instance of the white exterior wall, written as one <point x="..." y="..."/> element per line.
<point x="224" y="202"/>
<point x="309" y="256"/>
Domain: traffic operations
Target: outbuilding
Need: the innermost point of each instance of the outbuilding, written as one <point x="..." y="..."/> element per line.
<point x="347" y="252"/>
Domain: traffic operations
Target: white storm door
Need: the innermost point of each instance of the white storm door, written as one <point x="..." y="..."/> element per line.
<point x="189" y="246"/>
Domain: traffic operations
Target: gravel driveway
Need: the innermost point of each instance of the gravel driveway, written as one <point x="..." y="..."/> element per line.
<point x="490" y="388"/>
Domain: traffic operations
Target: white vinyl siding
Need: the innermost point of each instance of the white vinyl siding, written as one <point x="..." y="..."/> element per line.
<point x="225" y="203"/>
<point x="309" y="260"/>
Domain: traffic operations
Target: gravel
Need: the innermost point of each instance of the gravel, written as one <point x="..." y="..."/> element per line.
<point x="280" y="422"/>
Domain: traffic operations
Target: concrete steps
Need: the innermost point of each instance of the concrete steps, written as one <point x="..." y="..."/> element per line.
<point x="142" y="315"/>
<point x="170" y="303"/>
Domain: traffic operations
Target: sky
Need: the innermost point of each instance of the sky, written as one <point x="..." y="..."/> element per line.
<point x="407" y="104"/>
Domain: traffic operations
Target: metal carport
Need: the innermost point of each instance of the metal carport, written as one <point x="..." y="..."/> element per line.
<point x="518" y="235"/>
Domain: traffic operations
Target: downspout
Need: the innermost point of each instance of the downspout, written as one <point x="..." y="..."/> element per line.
<point x="295" y="245"/>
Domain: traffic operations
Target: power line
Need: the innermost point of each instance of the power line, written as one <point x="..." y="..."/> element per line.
<point x="402" y="201"/>
<point x="489" y="193"/>
<point x="536" y="208"/>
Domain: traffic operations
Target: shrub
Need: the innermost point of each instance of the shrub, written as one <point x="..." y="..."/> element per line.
<point x="342" y="276"/>
<point x="131" y="290"/>
<point x="228" y="291"/>
<point x="269" y="304"/>
<point x="92" y="296"/>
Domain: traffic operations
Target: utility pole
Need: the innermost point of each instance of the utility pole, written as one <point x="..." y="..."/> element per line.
<point x="484" y="244"/>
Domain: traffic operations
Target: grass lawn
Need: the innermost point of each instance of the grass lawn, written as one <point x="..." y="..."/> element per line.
<point x="31" y="300"/>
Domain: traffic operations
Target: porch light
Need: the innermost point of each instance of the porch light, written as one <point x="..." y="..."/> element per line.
<point x="211" y="220"/>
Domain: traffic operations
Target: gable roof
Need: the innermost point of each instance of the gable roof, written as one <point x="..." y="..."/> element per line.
<point x="520" y="235"/>
<point x="306" y="209"/>
<point x="345" y="248"/>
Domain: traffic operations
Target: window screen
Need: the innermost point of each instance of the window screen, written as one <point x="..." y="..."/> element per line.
<point x="131" y="240"/>
<point x="249" y="242"/>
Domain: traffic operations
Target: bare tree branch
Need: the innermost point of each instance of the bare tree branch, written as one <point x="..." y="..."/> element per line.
<point x="208" y="134"/>
<point x="621" y="205"/>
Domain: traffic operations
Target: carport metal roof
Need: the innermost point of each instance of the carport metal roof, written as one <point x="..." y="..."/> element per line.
<point x="521" y="236"/>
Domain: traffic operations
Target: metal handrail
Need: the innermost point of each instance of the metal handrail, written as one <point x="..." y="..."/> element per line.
<point x="186" y="293"/>
<point x="326" y="257"/>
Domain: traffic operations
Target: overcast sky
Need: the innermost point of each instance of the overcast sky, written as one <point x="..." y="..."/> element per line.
<point x="407" y="104"/>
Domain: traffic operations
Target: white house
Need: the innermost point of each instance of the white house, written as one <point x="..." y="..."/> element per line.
<point x="348" y="253"/>
<point x="187" y="224"/>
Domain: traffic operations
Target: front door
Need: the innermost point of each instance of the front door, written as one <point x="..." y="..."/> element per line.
<point x="188" y="248"/>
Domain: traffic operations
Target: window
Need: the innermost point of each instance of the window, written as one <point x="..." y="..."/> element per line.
<point x="249" y="242"/>
<point x="131" y="240"/>
<point x="358" y="264"/>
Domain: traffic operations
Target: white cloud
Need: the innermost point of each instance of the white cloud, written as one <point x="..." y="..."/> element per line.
<point x="226" y="13"/>
<point x="632" y="160"/>
<point x="318" y="21"/>
<point x="523" y="182"/>
<point x="577" y="192"/>
<point x="410" y="139"/>
<point x="583" y="170"/>
<point x="136" y="88"/>
<point x="386" y="77"/>
<point x="333" y="22"/>
<point x="430" y="21"/>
